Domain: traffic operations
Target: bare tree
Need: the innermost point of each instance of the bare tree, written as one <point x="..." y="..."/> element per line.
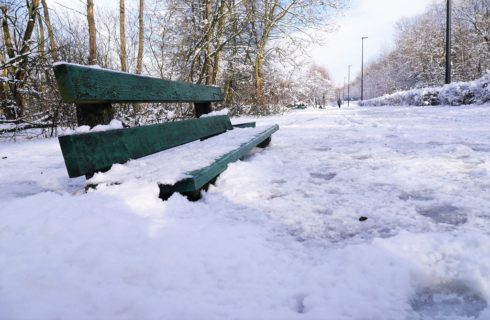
<point x="17" y="64"/>
<point x="276" y="18"/>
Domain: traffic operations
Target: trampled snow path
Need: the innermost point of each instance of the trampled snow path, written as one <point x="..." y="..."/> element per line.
<point x="278" y="237"/>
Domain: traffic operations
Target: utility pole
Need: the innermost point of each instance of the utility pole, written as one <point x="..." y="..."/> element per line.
<point x="448" y="42"/>
<point x="348" y="85"/>
<point x="362" y="68"/>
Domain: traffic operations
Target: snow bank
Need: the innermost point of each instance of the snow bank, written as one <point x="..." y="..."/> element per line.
<point x="454" y="94"/>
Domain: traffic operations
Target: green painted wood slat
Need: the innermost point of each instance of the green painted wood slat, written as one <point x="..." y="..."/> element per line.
<point x="202" y="176"/>
<point x="88" y="153"/>
<point x="244" y="125"/>
<point x="85" y="85"/>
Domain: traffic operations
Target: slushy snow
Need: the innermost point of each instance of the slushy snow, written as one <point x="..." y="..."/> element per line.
<point x="277" y="237"/>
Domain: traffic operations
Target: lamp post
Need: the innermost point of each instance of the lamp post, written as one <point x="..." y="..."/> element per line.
<point x="348" y="85"/>
<point x="448" y="42"/>
<point x="362" y="68"/>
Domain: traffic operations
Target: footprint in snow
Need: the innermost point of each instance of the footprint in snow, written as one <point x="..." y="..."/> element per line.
<point x="364" y="157"/>
<point x="298" y="303"/>
<point x="445" y="213"/>
<point x="417" y="196"/>
<point x="323" y="149"/>
<point x="451" y="300"/>
<point x="480" y="148"/>
<point x="323" y="176"/>
<point x="279" y="182"/>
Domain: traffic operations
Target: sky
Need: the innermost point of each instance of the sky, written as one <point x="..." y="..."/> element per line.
<point x="375" y="19"/>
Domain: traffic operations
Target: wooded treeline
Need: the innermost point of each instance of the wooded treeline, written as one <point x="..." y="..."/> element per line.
<point x="248" y="47"/>
<point x="418" y="57"/>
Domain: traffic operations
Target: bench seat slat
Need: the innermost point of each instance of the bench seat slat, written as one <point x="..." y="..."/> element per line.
<point x="202" y="176"/>
<point x="87" y="153"/>
<point x="194" y="164"/>
<point x="85" y="85"/>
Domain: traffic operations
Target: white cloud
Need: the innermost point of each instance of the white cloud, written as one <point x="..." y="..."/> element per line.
<point x="375" y="19"/>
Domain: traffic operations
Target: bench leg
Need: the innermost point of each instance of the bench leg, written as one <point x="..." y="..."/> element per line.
<point x="265" y="143"/>
<point x="165" y="195"/>
<point x="166" y="191"/>
<point x="191" y="195"/>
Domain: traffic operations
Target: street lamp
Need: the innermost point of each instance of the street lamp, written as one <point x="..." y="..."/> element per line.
<point x="362" y="68"/>
<point x="448" y="42"/>
<point x="348" y="84"/>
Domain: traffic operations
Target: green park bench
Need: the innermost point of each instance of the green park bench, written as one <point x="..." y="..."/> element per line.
<point x="93" y="90"/>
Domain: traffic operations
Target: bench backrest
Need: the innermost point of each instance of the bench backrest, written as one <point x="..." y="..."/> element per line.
<point x="93" y="90"/>
<point x="88" y="85"/>
<point x="88" y="153"/>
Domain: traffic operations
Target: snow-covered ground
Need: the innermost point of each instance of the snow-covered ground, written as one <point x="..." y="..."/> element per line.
<point x="278" y="237"/>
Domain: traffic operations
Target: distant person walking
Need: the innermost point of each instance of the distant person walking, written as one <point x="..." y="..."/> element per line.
<point x="339" y="102"/>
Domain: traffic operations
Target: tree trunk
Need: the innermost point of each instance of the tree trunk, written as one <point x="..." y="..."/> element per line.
<point x="7" y="39"/>
<point x="208" y="67"/>
<point x="49" y="27"/>
<point x="8" y="110"/>
<point x="32" y="12"/>
<point x="139" y="63"/>
<point x="229" y="83"/>
<point x="122" y="33"/>
<point x="3" y="85"/>
<point x="218" y="48"/>
<point x="92" y="59"/>
<point x="259" y="78"/>
<point x="42" y="47"/>
<point x="93" y="114"/>
<point x="41" y="43"/>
